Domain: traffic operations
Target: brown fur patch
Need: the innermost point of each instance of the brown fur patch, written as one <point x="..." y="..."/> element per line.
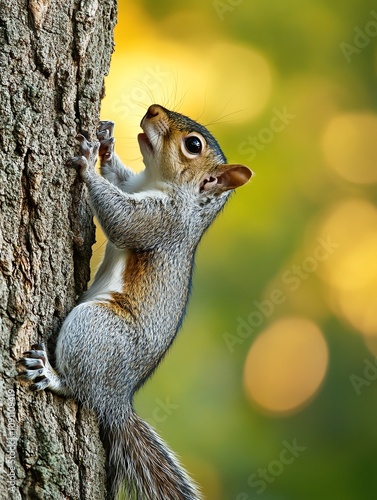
<point x="136" y="276"/>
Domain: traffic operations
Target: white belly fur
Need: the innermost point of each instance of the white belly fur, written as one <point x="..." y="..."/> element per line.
<point x="109" y="277"/>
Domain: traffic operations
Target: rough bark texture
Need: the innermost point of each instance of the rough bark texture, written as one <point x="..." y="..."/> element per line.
<point x="53" y="57"/>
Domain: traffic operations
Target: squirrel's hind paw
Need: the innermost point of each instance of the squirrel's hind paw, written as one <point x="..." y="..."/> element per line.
<point x="35" y="364"/>
<point x="36" y="368"/>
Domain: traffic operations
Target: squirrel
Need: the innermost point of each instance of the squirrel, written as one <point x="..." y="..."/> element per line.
<point x="115" y="337"/>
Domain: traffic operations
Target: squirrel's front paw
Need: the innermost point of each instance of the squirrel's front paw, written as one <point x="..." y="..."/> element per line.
<point x="106" y="139"/>
<point x="88" y="156"/>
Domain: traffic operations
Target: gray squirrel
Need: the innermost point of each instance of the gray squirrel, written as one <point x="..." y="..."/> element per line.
<point x="122" y="326"/>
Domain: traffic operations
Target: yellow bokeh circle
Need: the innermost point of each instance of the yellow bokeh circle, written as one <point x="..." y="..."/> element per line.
<point x="358" y="298"/>
<point x="350" y="146"/>
<point x="286" y="365"/>
<point x="352" y="272"/>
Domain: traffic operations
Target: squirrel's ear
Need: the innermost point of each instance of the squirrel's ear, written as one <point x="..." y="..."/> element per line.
<point x="227" y="177"/>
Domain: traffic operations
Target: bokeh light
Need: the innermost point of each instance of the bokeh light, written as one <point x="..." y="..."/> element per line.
<point x="286" y="365"/>
<point x="358" y="300"/>
<point x="352" y="272"/>
<point x="350" y="146"/>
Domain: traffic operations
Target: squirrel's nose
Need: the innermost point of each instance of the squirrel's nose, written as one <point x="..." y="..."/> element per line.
<point x="153" y="111"/>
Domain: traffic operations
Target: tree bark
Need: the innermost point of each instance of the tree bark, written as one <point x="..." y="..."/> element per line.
<point x="53" y="58"/>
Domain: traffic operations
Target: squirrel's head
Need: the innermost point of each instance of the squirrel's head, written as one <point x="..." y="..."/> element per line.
<point x="184" y="152"/>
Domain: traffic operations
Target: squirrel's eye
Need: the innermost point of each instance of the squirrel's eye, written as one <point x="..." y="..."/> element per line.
<point x="193" y="145"/>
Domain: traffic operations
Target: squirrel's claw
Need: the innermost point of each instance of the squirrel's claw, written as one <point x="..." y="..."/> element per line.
<point x="37" y="351"/>
<point x="87" y="159"/>
<point x="107" y="141"/>
<point x="78" y="162"/>
<point x="88" y="149"/>
<point x="105" y="129"/>
<point x="38" y="347"/>
<point x="40" y="384"/>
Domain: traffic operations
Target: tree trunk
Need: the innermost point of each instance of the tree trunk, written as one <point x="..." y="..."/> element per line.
<point x="53" y="58"/>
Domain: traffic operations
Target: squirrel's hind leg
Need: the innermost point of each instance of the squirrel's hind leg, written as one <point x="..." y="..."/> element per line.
<point x="38" y="369"/>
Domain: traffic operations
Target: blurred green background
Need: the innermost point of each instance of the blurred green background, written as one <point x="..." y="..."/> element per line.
<point x="270" y="390"/>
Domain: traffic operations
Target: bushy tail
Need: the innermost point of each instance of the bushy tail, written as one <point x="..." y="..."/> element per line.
<point x="143" y="465"/>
